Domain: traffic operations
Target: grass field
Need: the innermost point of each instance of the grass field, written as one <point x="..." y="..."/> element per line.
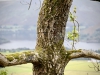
<point x="73" y="68"/>
<point x="80" y="68"/>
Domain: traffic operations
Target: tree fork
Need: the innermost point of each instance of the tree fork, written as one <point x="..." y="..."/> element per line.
<point x="50" y="37"/>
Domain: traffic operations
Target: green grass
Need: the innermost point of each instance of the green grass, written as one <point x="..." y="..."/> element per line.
<point x="25" y="68"/>
<point x="73" y="68"/>
<point x="80" y="68"/>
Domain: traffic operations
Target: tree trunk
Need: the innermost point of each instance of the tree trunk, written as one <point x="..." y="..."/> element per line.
<point x="51" y="65"/>
<point x="50" y="37"/>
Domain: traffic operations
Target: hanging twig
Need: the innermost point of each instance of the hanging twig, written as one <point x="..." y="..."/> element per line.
<point x="78" y="29"/>
<point x="73" y="20"/>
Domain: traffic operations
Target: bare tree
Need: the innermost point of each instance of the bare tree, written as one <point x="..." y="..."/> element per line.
<point x="50" y="57"/>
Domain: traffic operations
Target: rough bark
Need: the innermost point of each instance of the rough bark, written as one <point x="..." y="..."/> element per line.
<point x="50" y="37"/>
<point x="52" y="23"/>
<point x="82" y="53"/>
<point x="18" y="58"/>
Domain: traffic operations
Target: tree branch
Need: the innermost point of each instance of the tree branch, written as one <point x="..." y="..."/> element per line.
<point x="18" y="58"/>
<point x="30" y="4"/>
<point x="83" y="53"/>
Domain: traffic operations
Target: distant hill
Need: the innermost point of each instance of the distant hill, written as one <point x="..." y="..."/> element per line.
<point x="19" y="22"/>
<point x="2" y="41"/>
<point x="87" y="33"/>
<point x="90" y="30"/>
<point x="92" y="33"/>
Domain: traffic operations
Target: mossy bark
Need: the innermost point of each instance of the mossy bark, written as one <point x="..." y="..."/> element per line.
<point x="50" y="37"/>
<point x="51" y="62"/>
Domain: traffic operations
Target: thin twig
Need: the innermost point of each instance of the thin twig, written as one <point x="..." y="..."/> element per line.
<point x="78" y="28"/>
<point x="30" y="4"/>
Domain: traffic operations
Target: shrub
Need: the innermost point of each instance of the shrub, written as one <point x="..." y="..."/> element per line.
<point x="3" y="72"/>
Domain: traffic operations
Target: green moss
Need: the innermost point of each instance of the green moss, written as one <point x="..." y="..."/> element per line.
<point x="27" y="53"/>
<point x="73" y="51"/>
<point x="10" y="58"/>
<point x="16" y="55"/>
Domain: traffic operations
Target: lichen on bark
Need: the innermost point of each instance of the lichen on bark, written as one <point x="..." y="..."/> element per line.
<point x="52" y="22"/>
<point x="50" y="37"/>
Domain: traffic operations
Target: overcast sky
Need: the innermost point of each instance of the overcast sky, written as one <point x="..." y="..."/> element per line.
<point x="88" y="12"/>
